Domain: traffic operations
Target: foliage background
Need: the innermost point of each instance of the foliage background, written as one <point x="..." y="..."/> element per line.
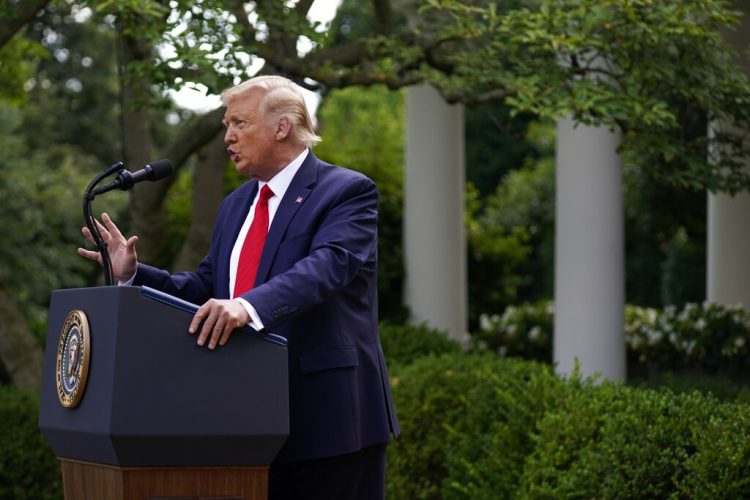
<point x="73" y="84"/>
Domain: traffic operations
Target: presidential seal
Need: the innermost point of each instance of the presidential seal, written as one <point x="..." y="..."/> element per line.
<point x="73" y="359"/>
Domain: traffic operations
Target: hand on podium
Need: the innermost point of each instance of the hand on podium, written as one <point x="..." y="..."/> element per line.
<point x="220" y="318"/>
<point x="121" y="251"/>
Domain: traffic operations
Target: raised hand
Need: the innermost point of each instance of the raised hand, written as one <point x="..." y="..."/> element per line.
<point x="122" y="252"/>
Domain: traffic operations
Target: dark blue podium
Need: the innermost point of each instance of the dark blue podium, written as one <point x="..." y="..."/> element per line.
<point x="159" y="416"/>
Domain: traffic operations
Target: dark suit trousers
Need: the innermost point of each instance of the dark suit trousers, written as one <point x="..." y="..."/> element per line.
<point x="355" y="476"/>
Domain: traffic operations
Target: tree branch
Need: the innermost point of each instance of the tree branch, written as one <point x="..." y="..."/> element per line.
<point x="303" y="7"/>
<point x="25" y="12"/>
<point x="192" y="138"/>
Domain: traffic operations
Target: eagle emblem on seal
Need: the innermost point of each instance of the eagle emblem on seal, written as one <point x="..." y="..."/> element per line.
<point x="73" y="352"/>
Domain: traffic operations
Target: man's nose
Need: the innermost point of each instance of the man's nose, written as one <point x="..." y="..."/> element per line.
<point x="229" y="136"/>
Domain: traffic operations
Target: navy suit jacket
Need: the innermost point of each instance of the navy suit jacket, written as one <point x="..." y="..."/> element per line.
<point x="316" y="286"/>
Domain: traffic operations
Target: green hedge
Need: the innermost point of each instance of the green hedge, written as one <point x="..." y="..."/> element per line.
<point x="614" y="441"/>
<point x="466" y="425"/>
<point x="720" y="467"/>
<point x="28" y="469"/>
<point x="402" y="344"/>
<point x="485" y="427"/>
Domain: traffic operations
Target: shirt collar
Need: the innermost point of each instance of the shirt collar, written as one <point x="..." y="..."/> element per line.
<point x="279" y="183"/>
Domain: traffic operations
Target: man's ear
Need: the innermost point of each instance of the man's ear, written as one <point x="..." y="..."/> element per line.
<point x="283" y="128"/>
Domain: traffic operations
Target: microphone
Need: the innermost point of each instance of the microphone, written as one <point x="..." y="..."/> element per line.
<point x="126" y="180"/>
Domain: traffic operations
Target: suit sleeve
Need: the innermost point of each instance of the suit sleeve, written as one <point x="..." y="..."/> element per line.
<point x="194" y="287"/>
<point x="342" y="249"/>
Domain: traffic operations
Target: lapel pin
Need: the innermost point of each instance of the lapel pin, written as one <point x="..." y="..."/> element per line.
<point x="298" y="200"/>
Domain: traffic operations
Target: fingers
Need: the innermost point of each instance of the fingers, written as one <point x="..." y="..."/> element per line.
<point x="87" y="234"/>
<point x="219" y="318"/>
<point x="108" y="230"/>
<point x="199" y="316"/>
<point x="106" y="236"/>
<point x="111" y="227"/>
<point x="225" y="335"/>
<point x="90" y="255"/>
<point x="130" y="244"/>
<point x="214" y="323"/>
<point x="210" y="325"/>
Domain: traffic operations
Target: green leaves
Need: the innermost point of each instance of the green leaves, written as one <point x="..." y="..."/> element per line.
<point x="658" y="71"/>
<point x="28" y="468"/>
<point x="647" y="68"/>
<point x="18" y="60"/>
<point x="41" y="218"/>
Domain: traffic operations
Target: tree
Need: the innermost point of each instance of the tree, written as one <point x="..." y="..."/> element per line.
<point x="346" y="119"/>
<point x="525" y="200"/>
<point x="40" y="224"/>
<point x="651" y="69"/>
<point x="72" y="96"/>
<point x="15" y="14"/>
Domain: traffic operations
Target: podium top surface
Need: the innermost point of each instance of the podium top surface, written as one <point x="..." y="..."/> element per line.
<point x="186" y="306"/>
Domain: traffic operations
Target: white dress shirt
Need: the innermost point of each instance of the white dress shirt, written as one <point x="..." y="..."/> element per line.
<point x="279" y="183"/>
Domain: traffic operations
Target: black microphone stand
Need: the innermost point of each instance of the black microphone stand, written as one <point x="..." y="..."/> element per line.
<point x="101" y="245"/>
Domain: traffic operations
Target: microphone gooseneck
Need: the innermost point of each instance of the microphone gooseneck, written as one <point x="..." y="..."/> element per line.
<point x="88" y="197"/>
<point x="123" y="181"/>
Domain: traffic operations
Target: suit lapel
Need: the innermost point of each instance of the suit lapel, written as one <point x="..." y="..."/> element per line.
<point x="295" y="196"/>
<point x="241" y="210"/>
<point x="237" y="216"/>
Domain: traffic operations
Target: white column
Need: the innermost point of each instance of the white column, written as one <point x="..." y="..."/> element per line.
<point x="589" y="252"/>
<point x="728" y="246"/>
<point x="728" y="249"/>
<point x="435" y="288"/>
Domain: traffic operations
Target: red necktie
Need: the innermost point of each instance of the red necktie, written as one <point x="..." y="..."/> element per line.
<point x="252" y="247"/>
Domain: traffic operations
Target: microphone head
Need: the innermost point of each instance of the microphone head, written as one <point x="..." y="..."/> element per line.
<point x="160" y="169"/>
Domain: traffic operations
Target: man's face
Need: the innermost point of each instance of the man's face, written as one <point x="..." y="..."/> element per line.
<point x="251" y="139"/>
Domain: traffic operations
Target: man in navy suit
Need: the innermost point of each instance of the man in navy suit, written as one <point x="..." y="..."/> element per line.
<point x="312" y="279"/>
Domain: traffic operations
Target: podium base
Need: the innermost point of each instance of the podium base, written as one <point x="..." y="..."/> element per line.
<point x="89" y="481"/>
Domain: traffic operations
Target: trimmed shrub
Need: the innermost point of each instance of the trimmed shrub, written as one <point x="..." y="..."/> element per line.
<point x="722" y="388"/>
<point x="466" y="423"/>
<point x="486" y="427"/>
<point x="614" y="441"/>
<point x="402" y="344"/>
<point x="494" y="436"/>
<point x="28" y="469"/>
<point x="720" y="467"/>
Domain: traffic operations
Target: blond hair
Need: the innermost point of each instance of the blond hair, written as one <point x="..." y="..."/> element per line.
<point x="281" y="97"/>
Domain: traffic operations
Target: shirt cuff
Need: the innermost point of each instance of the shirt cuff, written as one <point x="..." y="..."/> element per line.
<point x="128" y="282"/>
<point x="255" y="321"/>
